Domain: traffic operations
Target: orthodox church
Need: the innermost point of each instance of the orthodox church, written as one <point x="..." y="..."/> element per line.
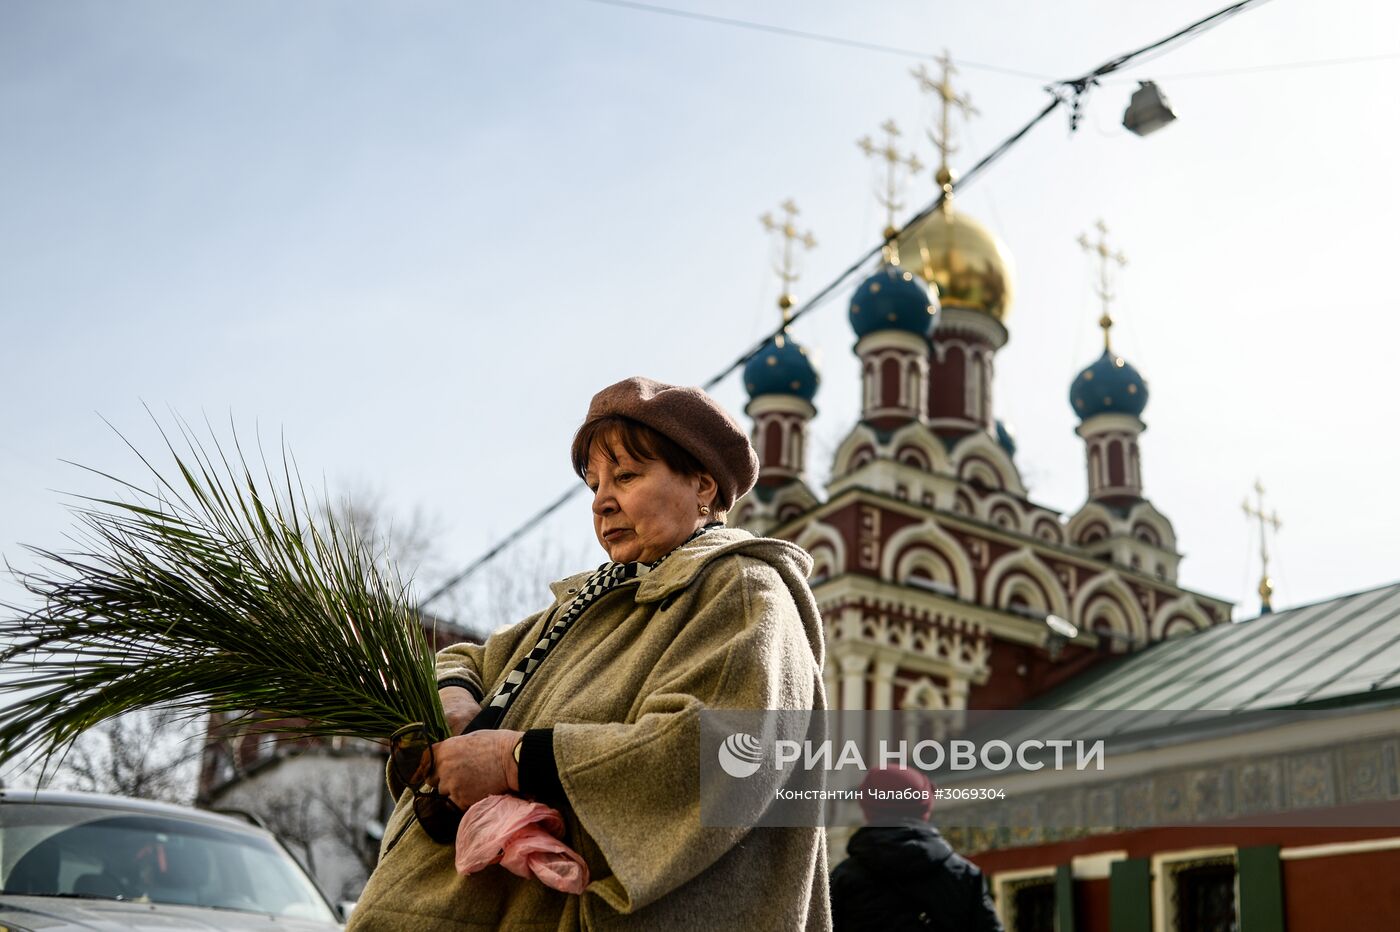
<point x="943" y="584"/>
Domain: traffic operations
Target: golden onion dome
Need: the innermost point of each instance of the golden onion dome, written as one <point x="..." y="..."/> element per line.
<point x="970" y="266"/>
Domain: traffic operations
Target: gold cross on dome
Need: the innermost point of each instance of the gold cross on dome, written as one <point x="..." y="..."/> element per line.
<point x="948" y="98"/>
<point x="894" y="161"/>
<point x="1104" y="289"/>
<point x="786" y="266"/>
<point x="1266" y="521"/>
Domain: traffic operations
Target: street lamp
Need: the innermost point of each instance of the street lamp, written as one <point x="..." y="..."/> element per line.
<point x="1148" y="111"/>
<point x="1061" y="633"/>
<point x="1061" y="627"/>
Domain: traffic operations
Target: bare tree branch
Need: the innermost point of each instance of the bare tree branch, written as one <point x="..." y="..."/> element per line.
<point x="150" y="754"/>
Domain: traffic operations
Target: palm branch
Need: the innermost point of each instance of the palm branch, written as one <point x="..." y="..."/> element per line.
<point x="210" y="590"/>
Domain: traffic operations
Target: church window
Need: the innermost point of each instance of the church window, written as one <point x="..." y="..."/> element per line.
<point x="1030" y="904"/>
<point x="889" y="383"/>
<point x="794" y="438"/>
<point x="954" y="366"/>
<point x="1203" y="895"/>
<point x="773" y="445"/>
<point x="1115" y="463"/>
<point x="975" y="381"/>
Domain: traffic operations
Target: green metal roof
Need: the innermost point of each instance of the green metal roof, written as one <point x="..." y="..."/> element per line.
<point x="1337" y="652"/>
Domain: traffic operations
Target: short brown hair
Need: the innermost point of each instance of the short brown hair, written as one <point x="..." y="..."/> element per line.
<point x="641" y="443"/>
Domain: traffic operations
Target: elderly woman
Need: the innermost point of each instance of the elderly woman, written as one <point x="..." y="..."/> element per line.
<point x="593" y="705"/>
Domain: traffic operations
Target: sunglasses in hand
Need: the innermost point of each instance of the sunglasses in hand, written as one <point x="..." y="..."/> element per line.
<point x="410" y="762"/>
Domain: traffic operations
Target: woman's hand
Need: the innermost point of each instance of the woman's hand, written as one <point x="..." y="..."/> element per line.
<point x="459" y="706"/>
<point x="471" y="767"/>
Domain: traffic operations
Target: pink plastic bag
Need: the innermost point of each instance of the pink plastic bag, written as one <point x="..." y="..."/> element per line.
<point x="523" y="837"/>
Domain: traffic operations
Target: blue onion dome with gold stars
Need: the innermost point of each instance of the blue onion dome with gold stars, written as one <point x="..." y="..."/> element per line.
<point x="1005" y="440"/>
<point x="1110" y="386"/>
<point x="782" y="367"/>
<point x="893" y="299"/>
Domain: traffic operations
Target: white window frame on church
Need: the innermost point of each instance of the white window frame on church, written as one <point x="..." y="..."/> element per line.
<point x="1167" y="864"/>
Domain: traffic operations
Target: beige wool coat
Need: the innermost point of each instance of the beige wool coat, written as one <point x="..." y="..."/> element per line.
<point x="727" y="622"/>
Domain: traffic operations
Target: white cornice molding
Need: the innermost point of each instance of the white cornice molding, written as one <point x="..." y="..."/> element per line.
<point x="779" y="404"/>
<point x="850" y="588"/>
<point x="1338" y="848"/>
<point x="901" y="340"/>
<point x="1105" y="423"/>
<point x="963" y="320"/>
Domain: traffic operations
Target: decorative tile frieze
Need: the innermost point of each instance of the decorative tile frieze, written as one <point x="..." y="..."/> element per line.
<point x="1310" y="781"/>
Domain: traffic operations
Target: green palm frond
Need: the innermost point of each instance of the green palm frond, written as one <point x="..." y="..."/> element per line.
<point x="210" y="590"/>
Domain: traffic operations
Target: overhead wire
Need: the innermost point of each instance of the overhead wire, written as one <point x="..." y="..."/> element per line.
<point x="1068" y="91"/>
<point x="963" y="63"/>
<point x="1200" y="25"/>
<point x="1280" y="66"/>
<point x="811" y="36"/>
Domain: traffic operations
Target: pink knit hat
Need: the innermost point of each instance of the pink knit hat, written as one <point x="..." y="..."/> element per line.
<point x="902" y="781"/>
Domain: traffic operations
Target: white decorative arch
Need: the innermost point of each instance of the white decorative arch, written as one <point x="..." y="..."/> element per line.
<point x="911" y="455"/>
<point x="1126" y="620"/>
<point x="860" y="436"/>
<point x="1025" y="561"/>
<point x="1038" y="519"/>
<point x="923" y="696"/>
<point x="993" y="499"/>
<point x="926" y="562"/>
<point x="1145" y="513"/>
<point x="1018" y="586"/>
<point x="898" y="561"/>
<point x="1091" y="512"/>
<point x="917" y="435"/>
<point x="1183" y="606"/>
<point x="980" y="471"/>
<point x="980" y="444"/>
<point x="818" y="538"/>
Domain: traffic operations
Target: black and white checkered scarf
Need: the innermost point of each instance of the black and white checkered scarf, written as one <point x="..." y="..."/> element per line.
<point x="606" y="578"/>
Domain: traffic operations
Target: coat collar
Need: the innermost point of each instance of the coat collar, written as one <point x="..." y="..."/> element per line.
<point x="682" y="566"/>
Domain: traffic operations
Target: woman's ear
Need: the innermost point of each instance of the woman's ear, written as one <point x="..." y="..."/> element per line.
<point x="706" y="489"/>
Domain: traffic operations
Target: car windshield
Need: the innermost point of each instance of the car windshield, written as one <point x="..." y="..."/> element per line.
<point x="52" y="849"/>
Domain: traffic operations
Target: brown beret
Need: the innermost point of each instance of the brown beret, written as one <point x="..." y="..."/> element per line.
<point x="694" y="421"/>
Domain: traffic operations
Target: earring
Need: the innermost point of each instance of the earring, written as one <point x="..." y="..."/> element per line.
<point x="704" y="509"/>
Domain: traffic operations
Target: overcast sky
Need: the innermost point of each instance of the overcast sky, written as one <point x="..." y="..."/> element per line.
<point x="415" y="237"/>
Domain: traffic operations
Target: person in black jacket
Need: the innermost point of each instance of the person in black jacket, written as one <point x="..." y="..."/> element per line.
<point x="901" y="874"/>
